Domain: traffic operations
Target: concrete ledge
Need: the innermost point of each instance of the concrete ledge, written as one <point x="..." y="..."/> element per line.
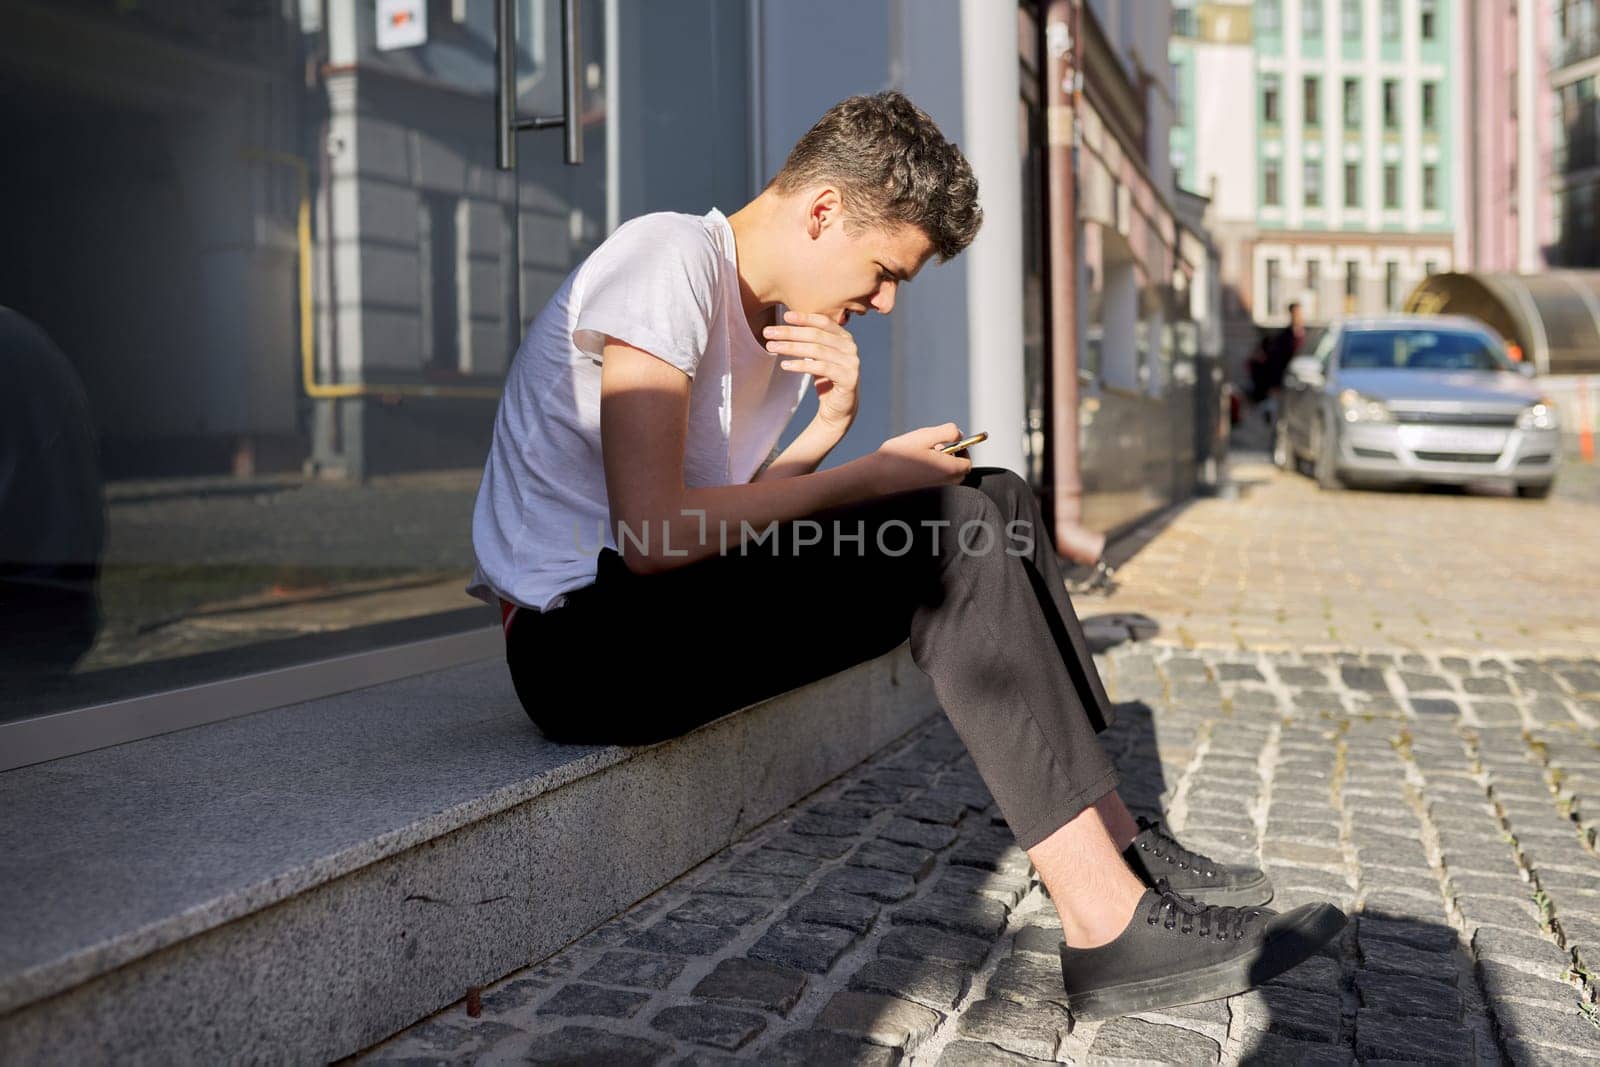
<point x="301" y="883"/>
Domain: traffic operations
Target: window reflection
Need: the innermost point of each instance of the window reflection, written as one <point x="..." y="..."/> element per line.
<point x="283" y="273"/>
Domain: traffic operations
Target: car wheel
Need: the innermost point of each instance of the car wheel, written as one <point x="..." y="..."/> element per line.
<point x="1535" y="490"/>
<point x="1323" y="469"/>
<point x="1282" y="451"/>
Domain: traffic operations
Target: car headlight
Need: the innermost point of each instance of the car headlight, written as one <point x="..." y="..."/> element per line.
<point x="1540" y="416"/>
<point x="1355" y="407"/>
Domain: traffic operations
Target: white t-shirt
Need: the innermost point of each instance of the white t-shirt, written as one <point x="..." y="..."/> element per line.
<point x="667" y="283"/>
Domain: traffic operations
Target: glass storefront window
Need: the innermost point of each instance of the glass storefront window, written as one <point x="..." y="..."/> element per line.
<point x="262" y="289"/>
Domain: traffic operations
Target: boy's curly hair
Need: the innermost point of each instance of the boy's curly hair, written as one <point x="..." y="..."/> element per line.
<point x="892" y="165"/>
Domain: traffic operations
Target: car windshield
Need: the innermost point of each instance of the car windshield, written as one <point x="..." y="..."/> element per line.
<point x="1443" y="350"/>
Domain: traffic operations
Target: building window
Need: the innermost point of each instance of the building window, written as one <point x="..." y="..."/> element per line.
<point x="1389" y="20"/>
<point x="1177" y="95"/>
<point x="1272" y="287"/>
<point x="1352" y="185"/>
<point x="1183" y="21"/>
<point x="1430" y="267"/>
<point x="1430" y="19"/>
<point x="1350" y="19"/>
<point x="1269" y="16"/>
<point x="1352" y="104"/>
<point x="1313" y="176"/>
<point x="1430" y="187"/>
<point x="1269" y="99"/>
<point x="1352" y="284"/>
<point x="1391" y="186"/>
<point x="439" y="250"/>
<point x="1391" y="284"/>
<point x="1269" y="184"/>
<point x="1391" y="104"/>
<point x="1430" y="106"/>
<point x="1314" y="276"/>
<point x="1311" y="18"/>
<point x="1313" y="101"/>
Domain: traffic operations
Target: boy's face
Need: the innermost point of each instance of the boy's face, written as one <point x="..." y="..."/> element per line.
<point x="840" y="274"/>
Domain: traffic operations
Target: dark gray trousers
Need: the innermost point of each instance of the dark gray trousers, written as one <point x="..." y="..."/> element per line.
<point x="986" y="613"/>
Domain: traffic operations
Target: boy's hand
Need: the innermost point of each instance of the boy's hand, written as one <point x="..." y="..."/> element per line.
<point x="814" y="344"/>
<point x="913" y="460"/>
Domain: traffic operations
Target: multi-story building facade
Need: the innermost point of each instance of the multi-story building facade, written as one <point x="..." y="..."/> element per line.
<point x="1355" y="105"/>
<point x="1137" y="292"/>
<point x="1326" y="133"/>
<point x="1505" y="221"/>
<point x="1213" y="145"/>
<point x="1575" y="161"/>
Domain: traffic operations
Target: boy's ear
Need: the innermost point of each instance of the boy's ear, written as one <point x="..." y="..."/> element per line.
<point x="823" y="210"/>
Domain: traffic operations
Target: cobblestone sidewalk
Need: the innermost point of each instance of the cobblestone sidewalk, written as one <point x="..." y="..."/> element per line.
<point x="1291" y="568"/>
<point x="1450" y="804"/>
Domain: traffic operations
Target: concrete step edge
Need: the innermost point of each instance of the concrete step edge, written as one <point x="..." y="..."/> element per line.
<point x="329" y="958"/>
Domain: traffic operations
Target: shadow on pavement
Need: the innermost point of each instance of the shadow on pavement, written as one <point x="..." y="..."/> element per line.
<point x="1105" y="632"/>
<point x="1391" y="987"/>
<point x="1131" y="743"/>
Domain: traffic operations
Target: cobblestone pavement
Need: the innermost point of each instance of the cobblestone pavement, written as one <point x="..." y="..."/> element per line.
<point x="1451" y="804"/>
<point x="1291" y="568"/>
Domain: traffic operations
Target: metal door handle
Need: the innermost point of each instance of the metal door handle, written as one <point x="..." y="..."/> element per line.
<point x="507" y="124"/>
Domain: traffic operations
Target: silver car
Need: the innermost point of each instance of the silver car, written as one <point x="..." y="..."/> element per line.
<point x="1413" y="398"/>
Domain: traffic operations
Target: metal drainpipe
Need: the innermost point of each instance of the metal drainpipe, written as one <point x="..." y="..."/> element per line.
<point x="1474" y="139"/>
<point x="1063" y="33"/>
<point x="328" y="442"/>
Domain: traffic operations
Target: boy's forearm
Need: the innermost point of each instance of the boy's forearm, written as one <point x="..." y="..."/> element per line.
<point x="804" y="453"/>
<point x="715" y="519"/>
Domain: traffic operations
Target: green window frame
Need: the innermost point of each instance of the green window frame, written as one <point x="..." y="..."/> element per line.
<point x="1269" y="17"/>
<point x="1350" y="19"/>
<point x="1311" y="18"/>
<point x="1271" y="99"/>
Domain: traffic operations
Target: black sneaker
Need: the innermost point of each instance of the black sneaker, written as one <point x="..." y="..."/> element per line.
<point x="1155" y="855"/>
<point x="1179" y="951"/>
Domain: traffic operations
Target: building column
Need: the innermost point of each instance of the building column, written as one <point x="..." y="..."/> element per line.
<point x="1529" y="115"/>
<point x="990" y="93"/>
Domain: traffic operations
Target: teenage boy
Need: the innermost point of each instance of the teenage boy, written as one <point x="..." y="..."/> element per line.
<point x="653" y="574"/>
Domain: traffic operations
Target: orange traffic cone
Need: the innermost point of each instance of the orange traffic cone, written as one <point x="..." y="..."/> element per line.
<point x="1585" y="422"/>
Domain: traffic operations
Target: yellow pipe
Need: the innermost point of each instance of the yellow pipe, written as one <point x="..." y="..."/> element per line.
<point x="308" y="354"/>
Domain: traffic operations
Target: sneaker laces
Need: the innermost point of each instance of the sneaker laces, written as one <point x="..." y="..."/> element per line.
<point x="1170" y="905"/>
<point x="1166" y="847"/>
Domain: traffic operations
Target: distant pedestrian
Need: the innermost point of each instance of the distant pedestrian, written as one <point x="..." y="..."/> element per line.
<point x="1271" y="361"/>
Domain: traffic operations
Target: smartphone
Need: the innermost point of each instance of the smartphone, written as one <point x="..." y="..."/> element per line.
<point x="963" y="444"/>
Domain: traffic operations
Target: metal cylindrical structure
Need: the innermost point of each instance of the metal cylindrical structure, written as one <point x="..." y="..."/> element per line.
<point x="1063" y="34"/>
<point x="505" y="85"/>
